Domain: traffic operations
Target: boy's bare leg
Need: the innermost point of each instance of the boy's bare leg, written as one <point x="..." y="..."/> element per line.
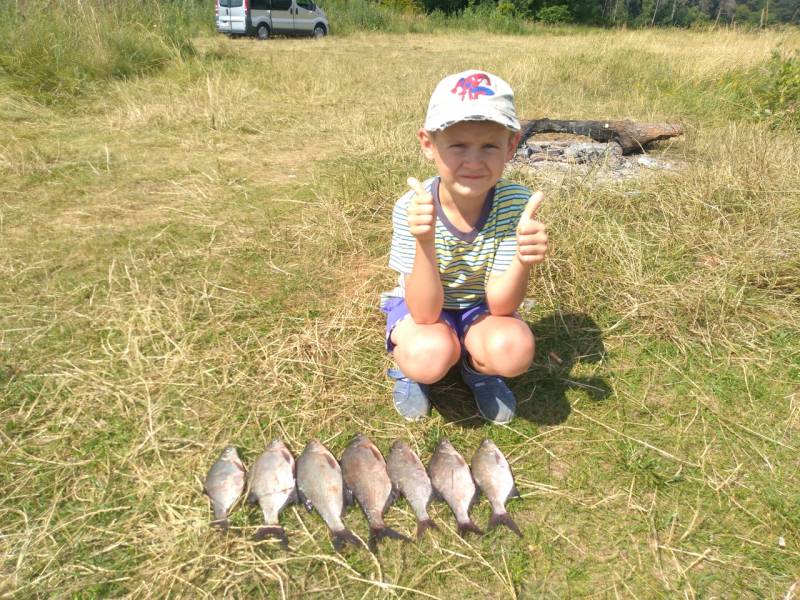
<point x="425" y="353"/>
<point x="500" y="346"/>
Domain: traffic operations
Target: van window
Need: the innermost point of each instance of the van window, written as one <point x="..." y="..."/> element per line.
<point x="259" y="4"/>
<point x="307" y="4"/>
<point x="230" y="3"/>
<point x="281" y="4"/>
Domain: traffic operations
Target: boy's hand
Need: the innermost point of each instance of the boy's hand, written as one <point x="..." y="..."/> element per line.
<point x="421" y="212"/>
<point x="531" y="234"/>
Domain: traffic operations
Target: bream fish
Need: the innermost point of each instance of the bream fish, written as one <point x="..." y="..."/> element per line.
<point x="272" y="486"/>
<point x="320" y="486"/>
<point x="364" y="472"/>
<point x="224" y="485"/>
<point x="410" y="479"/>
<point x="493" y="475"/>
<point x="453" y="482"/>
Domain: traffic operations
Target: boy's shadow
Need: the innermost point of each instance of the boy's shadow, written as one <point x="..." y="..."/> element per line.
<point x="562" y="341"/>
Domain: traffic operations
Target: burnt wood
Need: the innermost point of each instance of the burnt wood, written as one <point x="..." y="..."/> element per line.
<point x="632" y="136"/>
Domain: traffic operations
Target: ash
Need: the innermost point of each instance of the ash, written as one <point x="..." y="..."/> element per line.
<point x="554" y="156"/>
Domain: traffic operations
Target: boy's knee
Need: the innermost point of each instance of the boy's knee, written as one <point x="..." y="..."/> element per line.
<point x="511" y="355"/>
<point x="427" y="358"/>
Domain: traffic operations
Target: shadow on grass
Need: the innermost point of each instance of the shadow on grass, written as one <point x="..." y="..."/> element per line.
<point x="562" y="342"/>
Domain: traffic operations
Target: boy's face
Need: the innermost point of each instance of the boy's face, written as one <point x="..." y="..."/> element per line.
<point x="469" y="156"/>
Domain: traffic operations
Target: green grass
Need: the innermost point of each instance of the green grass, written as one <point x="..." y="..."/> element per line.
<point x="193" y="257"/>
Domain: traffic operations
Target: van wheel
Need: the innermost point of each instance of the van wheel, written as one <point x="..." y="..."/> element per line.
<point x="319" y="30"/>
<point x="262" y="32"/>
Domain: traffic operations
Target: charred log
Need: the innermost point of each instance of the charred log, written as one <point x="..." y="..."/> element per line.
<point x="630" y="135"/>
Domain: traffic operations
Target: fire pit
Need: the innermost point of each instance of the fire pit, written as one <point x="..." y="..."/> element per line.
<point x="613" y="149"/>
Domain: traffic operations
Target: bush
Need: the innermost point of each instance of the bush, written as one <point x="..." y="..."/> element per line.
<point x="553" y="15"/>
<point x="770" y="91"/>
<point x="506" y="8"/>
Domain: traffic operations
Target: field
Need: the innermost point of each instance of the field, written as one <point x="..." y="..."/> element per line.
<point x="192" y="257"/>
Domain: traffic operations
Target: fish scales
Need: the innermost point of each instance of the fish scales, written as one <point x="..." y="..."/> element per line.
<point x="409" y="478"/>
<point x="452" y="480"/>
<point x="224" y="485"/>
<point x="494" y="477"/>
<point x="272" y="486"/>
<point x="320" y="485"/>
<point x="364" y="472"/>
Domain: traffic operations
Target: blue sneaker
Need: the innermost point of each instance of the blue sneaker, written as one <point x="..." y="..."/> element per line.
<point x="495" y="401"/>
<point x="410" y="398"/>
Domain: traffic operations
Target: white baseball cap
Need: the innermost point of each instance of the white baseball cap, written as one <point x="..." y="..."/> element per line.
<point x="471" y="96"/>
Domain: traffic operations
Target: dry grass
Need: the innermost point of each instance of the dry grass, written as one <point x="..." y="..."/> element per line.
<point x="194" y="259"/>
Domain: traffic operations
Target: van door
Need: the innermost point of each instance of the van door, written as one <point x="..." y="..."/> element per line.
<point x="232" y="16"/>
<point x="304" y="17"/>
<point x="259" y="13"/>
<point x="282" y="16"/>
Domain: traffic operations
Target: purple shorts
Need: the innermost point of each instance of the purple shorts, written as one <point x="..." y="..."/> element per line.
<point x="459" y="320"/>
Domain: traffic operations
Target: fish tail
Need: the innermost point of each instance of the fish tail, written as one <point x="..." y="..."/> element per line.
<point x="376" y="534"/>
<point x="220" y="518"/>
<point x="469" y="525"/>
<point x="423" y="525"/>
<point x="342" y="537"/>
<point x="504" y="519"/>
<point x="273" y="531"/>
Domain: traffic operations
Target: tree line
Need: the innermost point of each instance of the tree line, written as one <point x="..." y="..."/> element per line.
<point x="636" y="13"/>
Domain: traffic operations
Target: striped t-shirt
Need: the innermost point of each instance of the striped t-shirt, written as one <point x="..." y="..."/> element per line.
<point x="466" y="259"/>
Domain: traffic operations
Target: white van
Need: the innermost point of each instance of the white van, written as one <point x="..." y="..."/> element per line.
<point x="264" y="18"/>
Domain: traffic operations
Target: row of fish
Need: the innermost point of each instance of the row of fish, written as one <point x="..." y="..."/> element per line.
<point x="318" y="481"/>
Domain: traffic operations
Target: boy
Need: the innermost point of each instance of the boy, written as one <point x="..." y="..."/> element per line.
<point x="464" y="243"/>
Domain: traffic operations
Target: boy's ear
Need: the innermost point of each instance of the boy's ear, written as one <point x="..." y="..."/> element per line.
<point x="426" y="143"/>
<point x="512" y="147"/>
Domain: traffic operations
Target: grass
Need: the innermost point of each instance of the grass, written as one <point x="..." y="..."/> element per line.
<point x="192" y="257"/>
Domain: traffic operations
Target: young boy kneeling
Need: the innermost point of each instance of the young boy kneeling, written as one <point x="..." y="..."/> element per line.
<point x="463" y="243"/>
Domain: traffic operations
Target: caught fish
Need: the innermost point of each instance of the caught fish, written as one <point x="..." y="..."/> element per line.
<point x="493" y="475"/>
<point x="364" y="472"/>
<point x="452" y="480"/>
<point x="320" y="486"/>
<point x="224" y="485"/>
<point x="409" y="477"/>
<point x="272" y="487"/>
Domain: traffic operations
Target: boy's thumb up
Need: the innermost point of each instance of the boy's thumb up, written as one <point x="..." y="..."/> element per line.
<point x="416" y="185"/>
<point x="532" y="207"/>
<point x="531" y="234"/>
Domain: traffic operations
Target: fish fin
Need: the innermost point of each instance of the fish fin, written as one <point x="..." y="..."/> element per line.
<point x="294" y="496"/>
<point x="504" y="519"/>
<point x="347" y="496"/>
<point x="475" y="497"/>
<point x="221" y="522"/>
<point x="342" y="537"/>
<point x="273" y="531"/>
<point x="376" y="534"/>
<point x="224" y="525"/>
<point x="377" y="454"/>
<point x="423" y="526"/>
<point x="301" y="497"/>
<point x="252" y="498"/>
<point x="220" y="517"/>
<point x="390" y="499"/>
<point x="514" y="493"/>
<point x="470" y="525"/>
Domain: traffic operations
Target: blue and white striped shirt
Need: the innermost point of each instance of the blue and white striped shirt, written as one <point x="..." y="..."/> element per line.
<point x="465" y="259"/>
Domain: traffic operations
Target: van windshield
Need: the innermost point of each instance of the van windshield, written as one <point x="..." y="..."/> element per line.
<point x="230" y="3"/>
